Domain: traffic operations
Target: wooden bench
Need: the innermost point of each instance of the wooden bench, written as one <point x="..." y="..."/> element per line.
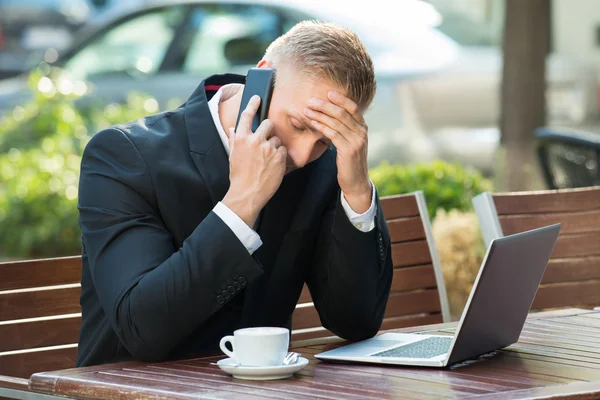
<point x="418" y="295"/>
<point x="40" y="317"/>
<point x="572" y="278"/>
<point x="40" y="313"/>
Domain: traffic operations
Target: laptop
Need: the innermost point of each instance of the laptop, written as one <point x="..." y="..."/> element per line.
<point x="493" y="316"/>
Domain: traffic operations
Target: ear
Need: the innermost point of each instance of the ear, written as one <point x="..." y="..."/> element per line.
<point x="264" y="64"/>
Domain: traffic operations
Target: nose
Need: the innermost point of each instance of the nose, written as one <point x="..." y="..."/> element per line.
<point x="303" y="152"/>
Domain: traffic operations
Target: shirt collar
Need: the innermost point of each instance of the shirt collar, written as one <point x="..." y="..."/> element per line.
<point x="225" y="92"/>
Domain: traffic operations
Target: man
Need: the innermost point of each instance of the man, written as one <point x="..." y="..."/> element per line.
<point x="191" y="230"/>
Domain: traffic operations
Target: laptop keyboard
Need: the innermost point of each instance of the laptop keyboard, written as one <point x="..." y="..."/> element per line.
<point x="426" y="348"/>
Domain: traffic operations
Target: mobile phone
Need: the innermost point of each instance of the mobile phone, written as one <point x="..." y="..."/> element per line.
<point x="259" y="81"/>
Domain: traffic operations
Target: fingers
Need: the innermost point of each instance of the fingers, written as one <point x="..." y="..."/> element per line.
<point x="264" y="130"/>
<point x="282" y="150"/>
<point x="274" y="142"/>
<point x="337" y="112"/>
<point x="273" y="149"/>
<point x="245" y="124"/>
<point x="282" y="154"/>
<point x="347" y="104"/>
<point x="271" y="146"/>
<point x="263" y="134"/>
<point x="262" y="140"/>
<point x="336" y="138"/>
<point x="328" y="126"/>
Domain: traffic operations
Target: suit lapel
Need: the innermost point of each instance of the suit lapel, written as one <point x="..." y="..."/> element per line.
<point x="206" y="148"/>
<point x="214" y="169"/>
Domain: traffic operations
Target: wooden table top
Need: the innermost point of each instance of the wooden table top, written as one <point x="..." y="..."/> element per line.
<point x="557" y="356"/>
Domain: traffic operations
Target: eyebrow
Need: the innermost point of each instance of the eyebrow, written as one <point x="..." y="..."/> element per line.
<point x="302" y="119"/>
<point x="308" y="125"/>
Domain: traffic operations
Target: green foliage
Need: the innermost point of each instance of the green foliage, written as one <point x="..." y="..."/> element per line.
<point x="445" y="185"/>
<point x="41" y="144"/>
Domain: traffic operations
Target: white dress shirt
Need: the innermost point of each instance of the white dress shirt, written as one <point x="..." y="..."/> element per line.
<point x="248" y="236"/>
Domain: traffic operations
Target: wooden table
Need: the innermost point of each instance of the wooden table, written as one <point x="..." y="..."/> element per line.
<point x="558" y="355"/>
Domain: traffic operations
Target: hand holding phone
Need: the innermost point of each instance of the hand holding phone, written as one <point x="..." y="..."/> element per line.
<point x="257" y="162"/>
<point x="259" y="81"/>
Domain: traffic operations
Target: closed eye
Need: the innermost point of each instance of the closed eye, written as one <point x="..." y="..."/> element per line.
<point x="297" y="125"/>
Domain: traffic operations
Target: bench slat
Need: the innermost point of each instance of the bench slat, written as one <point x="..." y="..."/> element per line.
<point x="576" y="245"/>
<point x="572" y="269"/>
<point x="401" y="206"/>
<point x="411" y="253"/>
<point x="23" y="365"/>
<point x="45" y="333"/>
<point x="399" y="304"/>
<point x="548" y="201"/>
<point x="404" y="279"/>
<point x="580" y="222"/>
<point x="413" y="278"/>
<point x="582" y="293"/>
<point x="42" y="303"/>
<point x="405" y="229"/>
<point x="39" y="273"/>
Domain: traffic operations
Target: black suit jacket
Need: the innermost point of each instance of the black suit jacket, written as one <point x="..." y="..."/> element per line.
<point x="164" y="277"/>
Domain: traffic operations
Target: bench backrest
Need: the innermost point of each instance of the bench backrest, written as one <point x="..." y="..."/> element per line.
<point x="572" y="277"/>
<point x="40" y="315"/>
<point x="418" y="295"/>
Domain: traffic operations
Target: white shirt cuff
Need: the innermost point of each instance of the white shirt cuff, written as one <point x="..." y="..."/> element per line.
<point x="364" y="222"/>
<point x="244" y="233"/>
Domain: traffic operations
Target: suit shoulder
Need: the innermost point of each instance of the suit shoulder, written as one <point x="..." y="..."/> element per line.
<point x="139" y="134"/>
<point x="148" y="127"/>
<point x="111" y="152"/>
<point x="110" y="139"/>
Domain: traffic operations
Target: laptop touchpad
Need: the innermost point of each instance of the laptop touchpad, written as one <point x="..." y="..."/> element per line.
<point x="374" y="345"/>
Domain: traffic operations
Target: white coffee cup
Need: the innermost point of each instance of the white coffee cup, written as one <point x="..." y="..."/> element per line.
<point x="257" y="347"/>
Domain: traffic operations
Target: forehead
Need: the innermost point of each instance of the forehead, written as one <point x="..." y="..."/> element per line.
<point x="296" y="87"/>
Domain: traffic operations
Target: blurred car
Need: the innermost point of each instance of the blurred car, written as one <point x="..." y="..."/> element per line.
<point x="29" y="28"/>
<point x="426" y="81"/>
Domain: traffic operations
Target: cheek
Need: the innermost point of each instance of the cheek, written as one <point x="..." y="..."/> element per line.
<point x="282" y="133"/>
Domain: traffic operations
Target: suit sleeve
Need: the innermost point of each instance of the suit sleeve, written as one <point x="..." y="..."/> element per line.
<point x="153" y="293"/>
<point x="351" y="273"/>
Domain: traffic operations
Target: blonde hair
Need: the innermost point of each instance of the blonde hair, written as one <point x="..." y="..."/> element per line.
<point x="331" y="51"/>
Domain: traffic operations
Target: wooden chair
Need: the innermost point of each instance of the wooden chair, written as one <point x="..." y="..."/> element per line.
<point x="572" y="278"/>
<point x="418" y="295"/>
<point x="40" y="317"/>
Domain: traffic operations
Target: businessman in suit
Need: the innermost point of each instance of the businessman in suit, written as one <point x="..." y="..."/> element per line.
<point x="191" y="230"/>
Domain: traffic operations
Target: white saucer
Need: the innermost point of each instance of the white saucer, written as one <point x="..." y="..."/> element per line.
<point x="261" y="373"/>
